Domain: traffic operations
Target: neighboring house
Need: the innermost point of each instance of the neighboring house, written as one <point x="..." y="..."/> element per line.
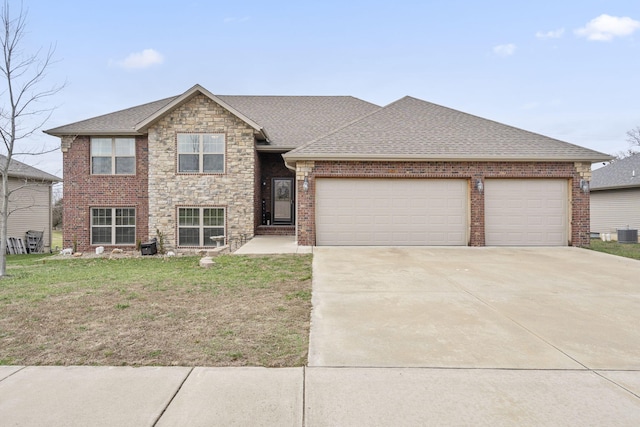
<point x="332" y="170"/>
<point x="30" y="201"/>
<point x="615" y="196"/>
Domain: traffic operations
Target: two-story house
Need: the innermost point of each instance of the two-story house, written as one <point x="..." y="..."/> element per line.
<point x="332" y="170"/>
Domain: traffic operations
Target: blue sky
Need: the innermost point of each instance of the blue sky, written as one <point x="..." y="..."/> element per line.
<point x="565" y="69"/>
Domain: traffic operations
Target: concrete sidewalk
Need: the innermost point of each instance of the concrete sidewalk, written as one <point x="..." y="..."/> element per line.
<point x="124" y="396"/>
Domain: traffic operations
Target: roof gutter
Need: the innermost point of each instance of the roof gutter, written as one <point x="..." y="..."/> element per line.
<point x="34" y="178"/>
<point x="615" y="187"/>
<point x="289" y="165"/>
<point x="292" y="157"/>
<point x="127" y="132"/>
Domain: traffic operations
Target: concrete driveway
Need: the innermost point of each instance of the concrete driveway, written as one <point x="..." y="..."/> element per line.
<point x="513" y="308"/>
<point x="474" y="336"/>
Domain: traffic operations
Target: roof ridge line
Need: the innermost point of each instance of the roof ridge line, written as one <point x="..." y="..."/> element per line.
<point x="344" y="126"/>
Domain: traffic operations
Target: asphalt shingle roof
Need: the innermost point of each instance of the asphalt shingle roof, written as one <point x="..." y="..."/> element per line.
<point x="622" y="173"/>
<point x="289" y="121"/>
<point x="344" y="127"/>
<point x="292" y="121"/>
<point x="121" y="122"/>
<point x="21" y="170"/>
<point x="414" y="129"/>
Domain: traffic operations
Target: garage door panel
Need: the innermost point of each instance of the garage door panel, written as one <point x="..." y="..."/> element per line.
<point x="398" y="212"/>
<point x="526" y="212"/>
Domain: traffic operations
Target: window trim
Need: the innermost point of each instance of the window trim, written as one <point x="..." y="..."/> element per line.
<point x="201" y="154"/>
<point x="113" y="156"/>
<point x="113" y="225"/>
<point x="201" y="226"/>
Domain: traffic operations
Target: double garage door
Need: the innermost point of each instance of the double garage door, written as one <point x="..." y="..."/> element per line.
<point x="435" y="212"/>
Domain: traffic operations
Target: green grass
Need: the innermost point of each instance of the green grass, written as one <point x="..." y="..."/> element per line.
<point x="56" y="240"/>
<point x="40" y="276"/>
<point x="626" y="250"/>
<point x="147" y="311"/>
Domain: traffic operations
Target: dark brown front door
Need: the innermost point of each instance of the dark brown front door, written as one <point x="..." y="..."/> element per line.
<point x="283" y="200"/>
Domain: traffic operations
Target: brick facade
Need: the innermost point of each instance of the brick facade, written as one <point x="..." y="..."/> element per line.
<point x="158" y="190"/>
<point x="82" y="191"/>
<point x="276" y="230"/>
<point x="573" y="172"/>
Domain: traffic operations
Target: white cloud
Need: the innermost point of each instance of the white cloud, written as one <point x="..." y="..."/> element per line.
<point x="505" y="49"/>
<point x="606" y="27"/>
<point x="554" y="34"/>
<point x="144" y="59"/>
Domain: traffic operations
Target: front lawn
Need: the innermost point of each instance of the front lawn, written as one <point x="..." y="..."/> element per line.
<point x="244" y="311"/>
<point x="621" y="249"/>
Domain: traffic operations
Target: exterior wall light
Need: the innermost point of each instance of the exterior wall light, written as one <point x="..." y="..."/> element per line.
<point x="479" y="186"/>
<point x="584" y="185"/>
<point x="305" y="184"/>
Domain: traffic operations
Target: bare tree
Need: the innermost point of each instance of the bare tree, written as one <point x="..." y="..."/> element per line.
<point x="633" y="136"/>
<point x="22" y="75"/>
<point x="624" y="154"/>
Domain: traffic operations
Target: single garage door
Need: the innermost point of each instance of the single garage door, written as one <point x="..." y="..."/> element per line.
<point x="526" y="212"/>
<point x="391" y="212"/>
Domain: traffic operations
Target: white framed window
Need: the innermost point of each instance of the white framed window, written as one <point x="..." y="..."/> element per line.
<point x="113" y="156"/>
<point x="197" y="226"/>
<point x="113" y="226"/>
<point x="201" y="152"/>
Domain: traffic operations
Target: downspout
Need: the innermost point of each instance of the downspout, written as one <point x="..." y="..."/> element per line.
<point x="293" y="168"/>
<point x="50" y="228"/>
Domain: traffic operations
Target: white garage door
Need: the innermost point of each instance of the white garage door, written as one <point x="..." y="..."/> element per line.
<point x="391" y="212"/>
<point x="526" y="212"/>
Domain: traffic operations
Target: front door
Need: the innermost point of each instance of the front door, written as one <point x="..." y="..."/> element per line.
<point x="283" y="200"/>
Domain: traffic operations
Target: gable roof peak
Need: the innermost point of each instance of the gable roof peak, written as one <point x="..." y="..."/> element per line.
<point x="187" y="96"/>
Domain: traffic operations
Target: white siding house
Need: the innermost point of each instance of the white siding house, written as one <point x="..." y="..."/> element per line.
<point x="615" y="196"/>
<point x="30" y="201"/>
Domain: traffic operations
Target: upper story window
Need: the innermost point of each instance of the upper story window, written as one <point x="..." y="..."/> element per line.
<point x="201" y="152"/>
<point x="113" y="156"/>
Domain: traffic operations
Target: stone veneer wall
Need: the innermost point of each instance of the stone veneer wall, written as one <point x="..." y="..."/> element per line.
<point x="574" y="172"/>
<point x="233" y="190"/>
<point x="82" y="191"/>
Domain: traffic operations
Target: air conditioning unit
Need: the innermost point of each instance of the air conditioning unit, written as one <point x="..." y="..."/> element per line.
<point x="627" y="236"/>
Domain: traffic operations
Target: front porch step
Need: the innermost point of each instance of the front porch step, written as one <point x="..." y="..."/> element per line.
<point x="276" y="230"/>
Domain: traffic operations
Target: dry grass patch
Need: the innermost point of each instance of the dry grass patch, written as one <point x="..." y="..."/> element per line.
<point x="245" y="311"/>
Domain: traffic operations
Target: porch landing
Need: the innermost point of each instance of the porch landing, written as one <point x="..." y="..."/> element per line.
<point x="273" y="245"/>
